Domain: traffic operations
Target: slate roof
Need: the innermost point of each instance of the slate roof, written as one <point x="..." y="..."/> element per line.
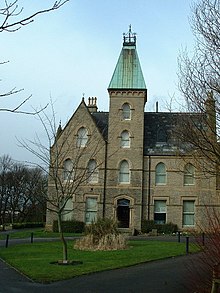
<point x="101" y="120"/>
<point x="158" y="130"/>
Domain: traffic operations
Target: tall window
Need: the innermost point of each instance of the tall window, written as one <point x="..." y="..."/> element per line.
<point x="93" y="172"/>
<point x="189" y="175"/>
<point x="126" y="111"/>
<point x="82" y="137"/>
<point x="188" y="213"/>
<point x="68" y="170"/>
<point x="125" y="139"/>
<point x="91" y="210"/>
<point x="161" y="174"/>
<point x="160" y="211"/>
<point x="68" y="210"/>
<point x="124" y="172"/>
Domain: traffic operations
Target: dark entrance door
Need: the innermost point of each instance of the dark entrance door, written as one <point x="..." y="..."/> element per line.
<point x="123" y="213"/>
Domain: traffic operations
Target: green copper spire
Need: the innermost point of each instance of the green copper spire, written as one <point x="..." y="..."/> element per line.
<point x="128" y="73"/>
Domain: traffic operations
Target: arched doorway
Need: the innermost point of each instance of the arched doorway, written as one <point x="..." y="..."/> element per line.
<point x="123" y="213"/>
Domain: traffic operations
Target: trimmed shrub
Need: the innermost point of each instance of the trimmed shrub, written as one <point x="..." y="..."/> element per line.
<point x="71" y="226"/>
<point x="148" y="225"/>
<point x="27" y="225"/>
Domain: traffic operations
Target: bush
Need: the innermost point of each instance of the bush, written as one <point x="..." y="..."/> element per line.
<point x="102" y="235"/>
<point x="71" y="226"/>
<point x="101" y="228"/>
<point x="27" y="225"/>
<point x="148" y="225"/>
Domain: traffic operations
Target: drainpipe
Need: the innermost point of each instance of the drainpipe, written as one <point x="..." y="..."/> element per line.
<point x="142" y="195"/>
<point x="105" y="180"/>
<point x="149" y="184"/>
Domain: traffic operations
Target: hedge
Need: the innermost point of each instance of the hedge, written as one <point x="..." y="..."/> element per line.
<point x="70" y="226"/>
<point x="148" y="225"/>
<point x="27" y="225"/>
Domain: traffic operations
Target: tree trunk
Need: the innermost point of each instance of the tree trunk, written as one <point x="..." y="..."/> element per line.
<point x="63" y="240"/>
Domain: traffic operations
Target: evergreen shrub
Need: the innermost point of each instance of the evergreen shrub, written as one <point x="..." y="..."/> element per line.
<point x="148" y="225"/>
<point x="71" y="226"/>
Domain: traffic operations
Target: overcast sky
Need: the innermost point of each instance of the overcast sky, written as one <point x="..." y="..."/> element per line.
<point x="74" y="50"/>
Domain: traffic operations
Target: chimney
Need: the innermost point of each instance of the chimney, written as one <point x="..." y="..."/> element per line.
<point x="156" y="107"/>
<point x="92" y="104"/>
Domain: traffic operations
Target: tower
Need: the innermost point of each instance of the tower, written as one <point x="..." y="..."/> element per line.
<point x="128" y="95"/>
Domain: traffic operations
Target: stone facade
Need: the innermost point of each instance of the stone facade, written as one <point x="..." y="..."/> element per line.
<point x="127" y="163"/>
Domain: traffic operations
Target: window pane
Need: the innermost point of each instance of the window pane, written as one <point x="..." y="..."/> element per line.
<point x="82" y="137"/>
<point x="188" y="206"/>
<point x="93" y="172"/>
<point x="189" y="174"/>
<point x="126" y="111"/>
<point x="160" y="206"/>
<point x="68" y="171"/>
<point x="91" y="204"/>
<point x="68" y="210"/>
<point x="160" y="210"/>
<point x="125" y="139"/>
<point x="124" y="172"/>
<point x="91" y="210"/>
<point x="161" y="174"/>
<point x="188" y="213"/>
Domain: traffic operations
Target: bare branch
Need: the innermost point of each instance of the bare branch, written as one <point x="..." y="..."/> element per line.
<point x="12" y="10"/>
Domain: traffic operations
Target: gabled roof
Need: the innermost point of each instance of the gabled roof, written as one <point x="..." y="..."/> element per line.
<point x="128" y="73"/>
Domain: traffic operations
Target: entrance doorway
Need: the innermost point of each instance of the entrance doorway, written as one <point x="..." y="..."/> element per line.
<point x="123" y="213"/>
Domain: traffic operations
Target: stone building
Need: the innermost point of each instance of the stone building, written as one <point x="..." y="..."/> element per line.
<point x="125" y="164"/>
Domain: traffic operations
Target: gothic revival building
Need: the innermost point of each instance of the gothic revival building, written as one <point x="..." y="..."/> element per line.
<point x="124" y="164"/>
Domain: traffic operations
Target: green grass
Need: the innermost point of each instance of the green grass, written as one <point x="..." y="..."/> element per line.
<point x="34" y="259"/>
<point x="38" y="233"/>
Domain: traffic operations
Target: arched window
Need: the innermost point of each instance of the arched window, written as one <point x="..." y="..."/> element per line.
<point x="125" y="139"/>
<point x="161" y="174"/>
<point x="68" y="170"/>
<point x="124" y="172"/>
<point x="82" y="137"/>
<point x="189" y="174"/>
<point x="126" y="111"/>
<point x="93" y="172"/>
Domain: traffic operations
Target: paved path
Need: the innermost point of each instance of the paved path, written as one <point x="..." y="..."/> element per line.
<point x="165" y="276"/>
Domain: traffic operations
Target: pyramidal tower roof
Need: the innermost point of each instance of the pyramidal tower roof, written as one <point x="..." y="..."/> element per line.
<point x="128" y="73"/>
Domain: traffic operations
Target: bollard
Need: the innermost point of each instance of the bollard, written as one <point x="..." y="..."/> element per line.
<point x="187" y="244"/>
<point x="32" y="237"/>
<point x="203" y="239"/>
<point x="7" y="238"/>
<point x="178" y="233"/>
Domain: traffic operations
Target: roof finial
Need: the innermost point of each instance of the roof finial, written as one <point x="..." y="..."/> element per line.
<point x="129" y="38"/>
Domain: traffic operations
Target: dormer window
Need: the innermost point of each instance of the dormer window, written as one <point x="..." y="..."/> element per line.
<point x="126" y="111"/>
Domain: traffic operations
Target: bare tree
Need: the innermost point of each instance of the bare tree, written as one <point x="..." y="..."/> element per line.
<point x="21" y="188"/>
<point x="12" y="20"/>
<point x="199" y="82"/>
<point x="65" y="160"/>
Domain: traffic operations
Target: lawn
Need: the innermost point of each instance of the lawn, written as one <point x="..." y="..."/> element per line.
<point x="34" y="260"/>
